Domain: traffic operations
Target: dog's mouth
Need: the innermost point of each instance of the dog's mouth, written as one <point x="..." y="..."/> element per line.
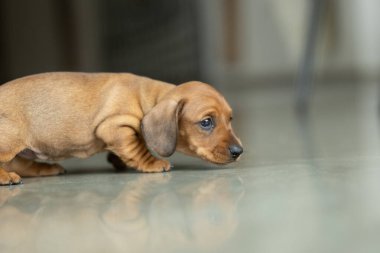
<point x="215" y="157"/>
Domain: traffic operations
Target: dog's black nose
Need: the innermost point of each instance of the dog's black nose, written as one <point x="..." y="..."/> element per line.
<point x="235" y="151"/>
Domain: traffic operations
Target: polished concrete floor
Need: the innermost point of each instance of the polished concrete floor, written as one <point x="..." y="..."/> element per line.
<point x="306" y="183"/>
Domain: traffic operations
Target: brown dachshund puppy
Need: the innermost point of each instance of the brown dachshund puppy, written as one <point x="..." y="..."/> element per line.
<point x="53" y="116"/>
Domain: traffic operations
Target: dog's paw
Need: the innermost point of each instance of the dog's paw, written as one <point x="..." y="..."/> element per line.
<point x="45" y="169"/>
<point x="155" y="166"/>
<point x="8" y="178"/>
<point x="58" y="169"/>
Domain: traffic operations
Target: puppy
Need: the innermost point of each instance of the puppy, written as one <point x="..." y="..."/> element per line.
<point x="53" y="116"/>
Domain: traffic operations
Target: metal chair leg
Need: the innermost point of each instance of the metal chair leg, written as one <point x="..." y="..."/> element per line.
<point x="304" y="78"/>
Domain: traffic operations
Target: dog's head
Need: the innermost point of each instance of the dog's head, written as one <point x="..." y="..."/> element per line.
<point x="194" y="119"/>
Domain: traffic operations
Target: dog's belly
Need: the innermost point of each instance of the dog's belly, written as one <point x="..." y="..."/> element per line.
<point x="82" y="151"/>
<point x="30" y="154"/>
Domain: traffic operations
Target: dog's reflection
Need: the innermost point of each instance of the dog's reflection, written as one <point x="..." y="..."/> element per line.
<point x="153" y="212"/>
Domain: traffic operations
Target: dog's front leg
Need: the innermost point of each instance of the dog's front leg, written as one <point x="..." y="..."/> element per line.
<point x="122" y="137"/>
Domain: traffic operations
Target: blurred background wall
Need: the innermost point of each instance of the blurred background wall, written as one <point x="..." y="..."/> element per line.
<point x="226" y="42"/>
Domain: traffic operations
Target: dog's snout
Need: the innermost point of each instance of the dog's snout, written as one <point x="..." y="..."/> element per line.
<point x="235" y="151"/>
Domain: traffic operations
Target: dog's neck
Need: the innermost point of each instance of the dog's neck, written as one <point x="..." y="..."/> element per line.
<point x="152" y="94"/>
<point x="162" y="94"/>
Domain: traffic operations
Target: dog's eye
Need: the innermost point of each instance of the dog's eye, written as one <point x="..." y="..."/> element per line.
<point x="207" y="124"/>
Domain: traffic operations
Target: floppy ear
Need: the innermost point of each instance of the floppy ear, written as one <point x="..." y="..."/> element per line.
<point x="160" y="126"/>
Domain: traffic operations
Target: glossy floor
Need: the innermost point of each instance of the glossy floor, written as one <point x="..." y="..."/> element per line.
<point x="306" y="183"/>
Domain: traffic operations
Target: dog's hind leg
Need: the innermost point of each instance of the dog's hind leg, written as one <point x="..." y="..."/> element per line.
<point x="10" y="145"/>
<point x="31" y="168"/>
<point x="13" y="166"/>
<point x="12" y="142"/>
<point x="8" y="178"/>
